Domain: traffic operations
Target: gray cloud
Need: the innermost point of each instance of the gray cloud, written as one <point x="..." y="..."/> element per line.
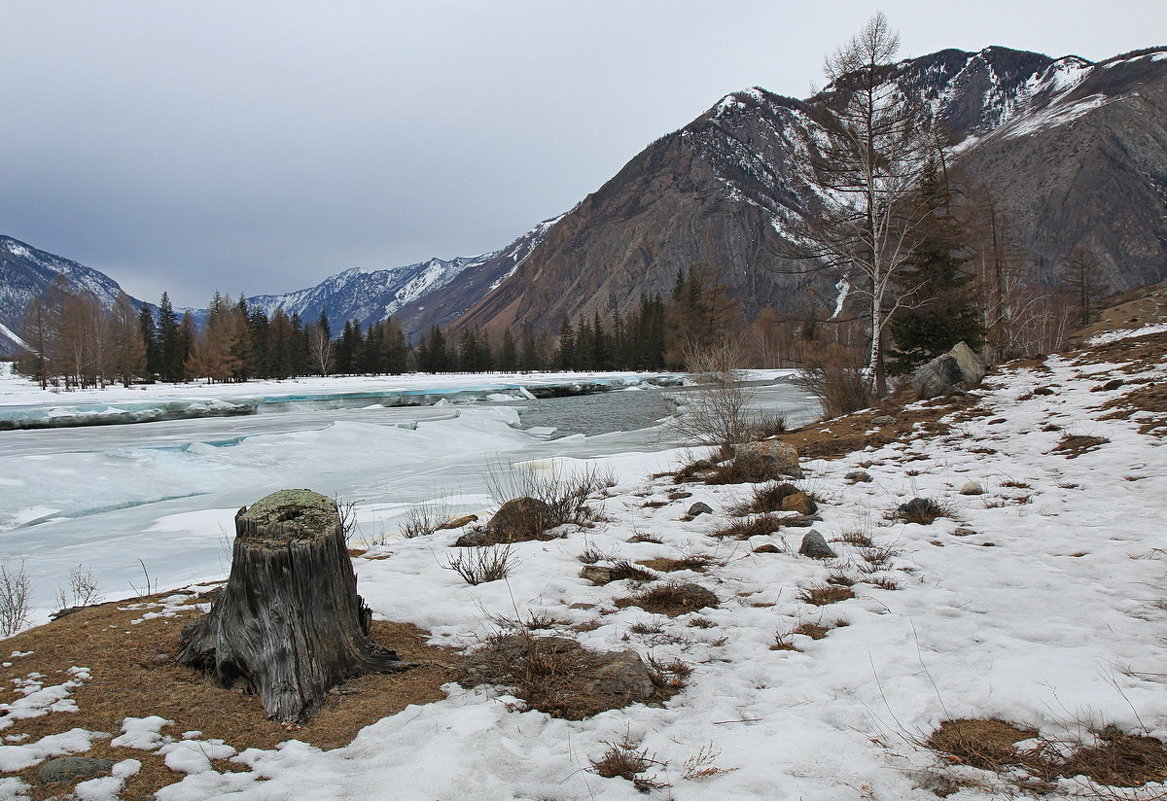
<point x="259" y="146"/>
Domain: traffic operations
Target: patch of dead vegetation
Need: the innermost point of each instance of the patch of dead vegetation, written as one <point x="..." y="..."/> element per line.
<point x="671" y="598"/>
<point x="1151" y="400"/>
<point x="1116" y="760"/>
<point x="134" y="674"/>
<point x="697" y="562"/>
<point x="558" y="676"/>
<point x="743" y="529"/>
<point x="1074" y="445"/>
<point x="824" y="594"/>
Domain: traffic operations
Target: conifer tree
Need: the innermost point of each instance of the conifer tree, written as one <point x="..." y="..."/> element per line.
<point x="149" y="336"/>
<point x="171" y="348"/>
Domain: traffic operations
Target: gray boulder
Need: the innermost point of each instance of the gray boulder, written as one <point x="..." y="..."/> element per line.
<point x="68" y="768"/>
<point x="700" y="508"/>
<point x="815" y="546"/>
<point x="960" y="368"/>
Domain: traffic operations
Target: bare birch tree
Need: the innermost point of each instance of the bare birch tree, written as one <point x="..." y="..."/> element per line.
<point x="865" y="146"/>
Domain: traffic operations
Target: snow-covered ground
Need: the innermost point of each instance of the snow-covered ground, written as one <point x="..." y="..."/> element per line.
<point x="154" y="502"/>
<point x="1038" y="602"/>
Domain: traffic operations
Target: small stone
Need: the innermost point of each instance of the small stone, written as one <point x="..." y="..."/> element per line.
<point x="596" y="574"/>
<point x="884" y="420"/>
<point x="1110" y="385"/>
<point x="1043" y="391"/>
<point x="769" y="547"/>
<point x="856" y="476"/>
<point x="814" y="546"/>
<point x="800" y="521"/>
<point x="68" y="768"/>
<point x="964" y="531"/>
<point x="799" y="502"/>
<point x="972" y="488"/>
<point x="700" y="508"/>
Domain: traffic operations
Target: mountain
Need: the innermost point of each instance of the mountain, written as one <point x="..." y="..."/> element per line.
<point x="26" y="272"/>
<point x="1075" y="151"/>
<point x="418" y="295"/>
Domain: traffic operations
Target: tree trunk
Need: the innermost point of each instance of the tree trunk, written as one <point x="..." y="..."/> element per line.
<point x="289" y="624"/>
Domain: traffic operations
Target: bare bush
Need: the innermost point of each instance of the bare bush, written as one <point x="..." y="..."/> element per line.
<point x="424" y="519"/>
<point x="480" y="565"/>
<point x="15" y="587"/>
<point x="81" y="590"/>
<point x="718" y="413"/>
<point x="623" y="760"/>
<point x="840" y="390"/>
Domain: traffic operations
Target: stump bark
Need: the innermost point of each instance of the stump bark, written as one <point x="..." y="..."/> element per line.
<point x="289" y="624"/>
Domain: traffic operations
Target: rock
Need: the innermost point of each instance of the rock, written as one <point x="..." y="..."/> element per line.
<point x="856" y="476"/>
<point x="783" y="455"/>
<point x="517" y="520"/>
<point x="458" y="522"/>
<point x="799" y="502"/>
<point x="884" y="420"/>
<point x="475" y="537"/>
<point x="960" y="368"/>
<point x="700" y="508"/>
<point x="1044" y="391"/>
<point x="800" y="521"/>
<point x="68" y="768"/>
<point x="814" y="546"/>
<point x="917" y="507"/>
<point x="972" y="488"/>
<point x="769" y="547"/>
<point x="596" y="574"/>
<point x="1112" y="384"/>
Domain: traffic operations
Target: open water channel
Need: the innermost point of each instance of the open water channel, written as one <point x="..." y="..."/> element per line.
<point x="157" y="499"/>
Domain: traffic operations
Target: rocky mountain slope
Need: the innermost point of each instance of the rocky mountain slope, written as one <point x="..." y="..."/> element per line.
<point x="1074" y="151"/>
<point x="26" y="272"/>
<point x="1071" y="151"/>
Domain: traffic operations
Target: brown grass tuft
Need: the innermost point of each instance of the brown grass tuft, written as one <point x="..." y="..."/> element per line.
<point x="824" y="594"/>
<point x="750" y="527"/>
<point x="985" y="743"/>
<point x="1074" y="445"/>
<point x="623" y="760"/>
<point x="671" y="599"/>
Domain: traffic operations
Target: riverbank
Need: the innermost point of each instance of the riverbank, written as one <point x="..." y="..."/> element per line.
<point x="1030" y="594"/>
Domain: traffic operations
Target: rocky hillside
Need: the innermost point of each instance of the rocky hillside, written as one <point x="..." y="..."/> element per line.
<point x="26" y="272"/>
<point x="1075" y="151"/>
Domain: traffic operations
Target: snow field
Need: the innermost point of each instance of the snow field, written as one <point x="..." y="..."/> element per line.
<point x="1037" y="603"/>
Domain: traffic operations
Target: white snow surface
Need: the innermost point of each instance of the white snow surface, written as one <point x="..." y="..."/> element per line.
<point x="1038" y="603"/>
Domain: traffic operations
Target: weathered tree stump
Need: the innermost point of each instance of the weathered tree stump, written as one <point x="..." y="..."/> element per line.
<point x="289" y="624"/>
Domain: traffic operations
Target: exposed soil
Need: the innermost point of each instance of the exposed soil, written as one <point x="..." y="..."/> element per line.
<point x="134" y="673"/>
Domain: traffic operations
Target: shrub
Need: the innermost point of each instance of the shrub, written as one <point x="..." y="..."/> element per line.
<point x="565" y="494"/>
<point x="718" y="413"/>
<point x="750" y="527"/>
<point x="924" y="511"/>
<point x="840" y="388"/>
<point x="623" y="760"/>
<point x="81" y="590"/>
<point x="480" y="565"/>
<point x="15" y="587"/>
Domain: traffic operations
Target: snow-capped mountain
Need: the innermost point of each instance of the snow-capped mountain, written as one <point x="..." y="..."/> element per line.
<point x="418" y="295"/>
<point x="26" y="272"/>
<point x="1074" y="152"/>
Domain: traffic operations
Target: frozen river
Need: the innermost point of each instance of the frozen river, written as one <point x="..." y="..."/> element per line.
<point x="160" y="497"/>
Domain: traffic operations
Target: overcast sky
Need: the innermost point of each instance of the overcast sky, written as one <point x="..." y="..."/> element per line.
<point x="260" y="146"/>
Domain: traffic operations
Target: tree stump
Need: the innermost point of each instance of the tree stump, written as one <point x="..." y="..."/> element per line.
<point x="289" y="624"/>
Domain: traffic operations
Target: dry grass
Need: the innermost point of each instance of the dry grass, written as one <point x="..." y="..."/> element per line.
<point x="697" y="562"/>
<point x="744" y="470"/>
<point x="924" y="511"/>
<point x="670" y="599"/>
<point x="856" y="539"/>
<point x="823" y="594"/>
<point x="624" y="761"/>
<point x="1074" y="445"/>
<point x="760" y="526"/>
<point x="1117" y="760"/>
<point x="985" y="743"/>
<point x="134" y="674"/>
<point x="554" y="675"/>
